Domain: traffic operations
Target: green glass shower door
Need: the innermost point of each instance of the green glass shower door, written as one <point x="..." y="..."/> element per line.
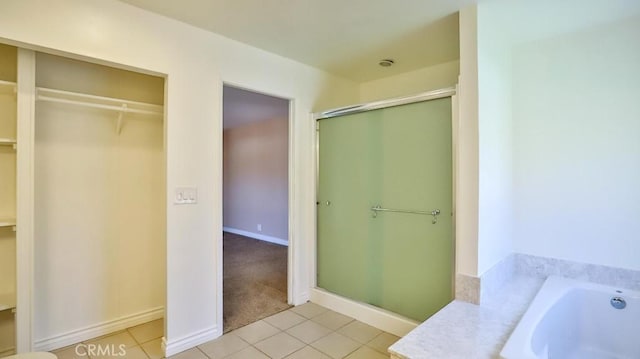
<point x="397" y="158"/>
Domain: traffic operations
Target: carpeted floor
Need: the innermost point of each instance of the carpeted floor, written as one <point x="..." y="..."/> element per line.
<point x="255" y="280"/>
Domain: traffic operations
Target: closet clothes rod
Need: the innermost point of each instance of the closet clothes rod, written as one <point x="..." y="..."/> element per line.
<point x="92" y="101"/>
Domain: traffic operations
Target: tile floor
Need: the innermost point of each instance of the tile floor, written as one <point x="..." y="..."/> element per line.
<point x="141" y="342"/>
<point x="308" y="331"/>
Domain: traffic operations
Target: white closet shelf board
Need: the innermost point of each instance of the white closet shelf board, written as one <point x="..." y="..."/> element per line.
<point x="7" y="222"/>
<point x="7" y="87"/>
<point x="100" y="102"/>
<point x="7" y="301"/>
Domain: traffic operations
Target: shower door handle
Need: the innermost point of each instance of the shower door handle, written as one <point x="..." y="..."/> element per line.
<point x="378" y="208"/>
<point x="435" y="214"/>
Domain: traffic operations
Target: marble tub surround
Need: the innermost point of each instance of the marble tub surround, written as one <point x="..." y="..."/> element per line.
<point x="544" y="267"/>
<point x="487" y="308"/>
<point x="467" y="288"/>
<point x="495" y="279"/>
<point x="478" y="290"/>
<point x="460" y="330"/>
<point x="464" y="330"/>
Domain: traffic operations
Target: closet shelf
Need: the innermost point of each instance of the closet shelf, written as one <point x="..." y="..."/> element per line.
<point x="7" y="222"/>
<point x="7" y="301"/>
<point x="7" y="86"/>
<point x="100" y="102"/>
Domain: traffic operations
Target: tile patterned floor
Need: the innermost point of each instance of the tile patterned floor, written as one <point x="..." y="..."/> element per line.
<point x="141" y="342"/>
<point x="308" y="331"/>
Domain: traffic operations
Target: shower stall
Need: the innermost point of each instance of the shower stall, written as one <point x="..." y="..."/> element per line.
<point x="385" y="204"/>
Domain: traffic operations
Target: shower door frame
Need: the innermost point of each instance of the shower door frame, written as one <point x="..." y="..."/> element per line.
<point x="375" y="316"/>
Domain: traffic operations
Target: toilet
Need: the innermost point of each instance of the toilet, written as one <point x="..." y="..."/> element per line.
<point x="33" y="355"/>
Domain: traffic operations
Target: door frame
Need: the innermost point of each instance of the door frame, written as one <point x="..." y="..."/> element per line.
<point x="374" y="316"/>
<point x="293" y="289"/>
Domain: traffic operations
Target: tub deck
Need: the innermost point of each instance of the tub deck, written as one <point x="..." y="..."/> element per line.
<point x="463" y="330"/>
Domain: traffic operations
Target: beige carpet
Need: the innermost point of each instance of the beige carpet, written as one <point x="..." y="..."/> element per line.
<point x="255" y="280"/>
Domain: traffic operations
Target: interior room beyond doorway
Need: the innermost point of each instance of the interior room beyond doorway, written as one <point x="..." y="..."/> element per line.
<point x="255" y="206"/>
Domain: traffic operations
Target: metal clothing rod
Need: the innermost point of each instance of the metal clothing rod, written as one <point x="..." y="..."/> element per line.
<point x="378" y="208"/>
<point x="431" y="95"/>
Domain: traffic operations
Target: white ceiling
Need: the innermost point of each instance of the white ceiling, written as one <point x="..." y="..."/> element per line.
<point x="344" y="37"/>
<point x="241" y="107"/>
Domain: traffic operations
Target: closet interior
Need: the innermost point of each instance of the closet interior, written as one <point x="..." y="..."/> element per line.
<point x="99" y="190"/>
<point x="8" y="71"/>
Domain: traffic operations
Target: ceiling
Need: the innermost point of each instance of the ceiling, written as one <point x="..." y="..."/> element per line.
<point x="241" y="107"/>
<point x="343" y="37"/>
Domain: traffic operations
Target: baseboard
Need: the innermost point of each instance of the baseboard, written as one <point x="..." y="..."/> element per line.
<point x="190" y="341"/>
<point x="93" y="331"/>
<point x="7" y="352"/>
<point x="257" y="236"/>
<point x="376" y="317"/>
<point x="301" y="298"/>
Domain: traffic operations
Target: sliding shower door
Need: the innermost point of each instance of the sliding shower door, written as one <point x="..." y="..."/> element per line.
<point x="385" y="205"/>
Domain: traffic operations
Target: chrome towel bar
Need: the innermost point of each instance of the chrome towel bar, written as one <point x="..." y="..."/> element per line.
<point x="377" y="208"/>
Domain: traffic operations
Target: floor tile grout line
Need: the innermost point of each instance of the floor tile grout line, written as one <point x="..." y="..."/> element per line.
<point x="258" y="349"/>
<point x="376" y="350"/>
<point x="317" y="339"/>
<point x="353" y="351"/>
<point x="148" y="341"/>
<point x="202" y="351"/>
<point x="263" y="339"/>
<point x="132" y="336"/>
<point x="290" y="354"/>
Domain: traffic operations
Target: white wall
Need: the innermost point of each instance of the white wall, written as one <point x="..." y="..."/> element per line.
<point x="494" y="139"/>
<point x="195" y="63"/>
<point x="467" y="154"/>
<point x="554" y="142"/>
<point x="99" y="234"/>
<point x="256" y="178"/>
<point x="99" y="203"/>
<point x="412" y="82"/>
<point x="576" y="145"/>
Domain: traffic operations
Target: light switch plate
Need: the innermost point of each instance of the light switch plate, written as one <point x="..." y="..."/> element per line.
<point x="186" y="195"/>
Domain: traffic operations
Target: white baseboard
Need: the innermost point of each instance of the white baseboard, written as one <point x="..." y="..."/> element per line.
<point x="301" y="298"/>
<point x="100" y="329"/>
<point x="262" y="237"/>
<point x="374" y="316"/>
<point x="190" y="341"/>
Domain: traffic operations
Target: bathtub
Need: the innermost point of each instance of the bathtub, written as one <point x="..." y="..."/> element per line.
<point x="569" y="319"/>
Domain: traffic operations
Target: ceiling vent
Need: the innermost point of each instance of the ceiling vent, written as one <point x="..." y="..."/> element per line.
<point x="386" y="62"/>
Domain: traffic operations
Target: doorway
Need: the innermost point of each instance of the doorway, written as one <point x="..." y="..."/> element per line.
<point x="255" y="206"/>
